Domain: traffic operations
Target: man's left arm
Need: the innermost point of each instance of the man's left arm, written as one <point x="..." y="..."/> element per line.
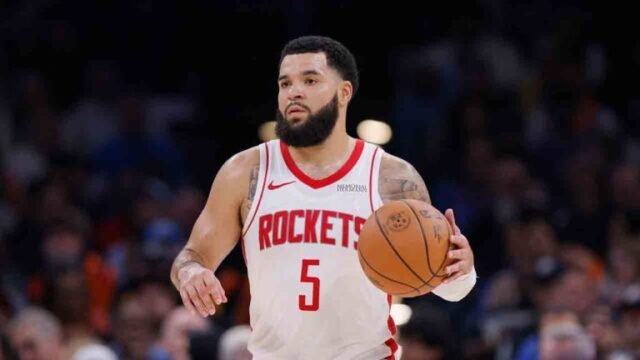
<point x="400" y="180"/>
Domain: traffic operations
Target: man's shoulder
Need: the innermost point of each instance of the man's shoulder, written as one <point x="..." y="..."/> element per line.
<point x="392" y="163"/>
<point x="242" y="163"/>
<point x="398" y="179"/>
<point x="248" y="157"/>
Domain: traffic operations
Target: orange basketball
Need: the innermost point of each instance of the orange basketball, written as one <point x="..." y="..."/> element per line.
<point x="403" y="247"/>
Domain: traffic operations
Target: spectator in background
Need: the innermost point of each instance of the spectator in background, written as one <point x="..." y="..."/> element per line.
<point x="132" y="152"/>
<point x="563" y="338"/>
<point x="178" y="326"/>
<point x="623" y="271"/>
<point x="558" y="293"/>
<point x="35" y="334"/>
<point x="74" y="281"/>
<point x="134" y="331"/>
<point x="157" y="296"/>
<point x="92" y="120"/>
<point x="630" y="320"/>
<point x="601" y="326"/>
<point x="428" y="335"/>
<point x="36" y="136"/>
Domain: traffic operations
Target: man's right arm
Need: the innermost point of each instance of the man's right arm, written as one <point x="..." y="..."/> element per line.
<point x="214" y="234"/>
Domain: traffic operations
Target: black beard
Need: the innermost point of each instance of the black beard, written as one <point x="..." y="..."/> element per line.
<point x="315" y="129"/>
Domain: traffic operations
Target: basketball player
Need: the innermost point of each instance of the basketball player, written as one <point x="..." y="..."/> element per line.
<point x="297" y="205"/>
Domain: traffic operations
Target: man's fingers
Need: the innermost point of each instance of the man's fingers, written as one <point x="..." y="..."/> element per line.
<point x="459" y="240"/>
<point x="205" y="296"/>
<point x="457" y="254"/>
<point x="187" y="302"/>
<point x="212" y="285"/>
<point x="215" y="289"/>
<point x="219" y="290"/>
<point x="452" y="221"/>
<point x="456" y="266"/>
<point x="195" y="298"/>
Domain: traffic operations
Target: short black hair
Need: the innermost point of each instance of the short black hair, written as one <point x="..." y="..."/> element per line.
<point x="338" y="56"/>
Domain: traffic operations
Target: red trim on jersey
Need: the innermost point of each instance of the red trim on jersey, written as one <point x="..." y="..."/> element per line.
<point x="391" y="343"/>
<point x="264" y="181"/>
<point x="318" y="183"/>
<point x="373" y="158"/>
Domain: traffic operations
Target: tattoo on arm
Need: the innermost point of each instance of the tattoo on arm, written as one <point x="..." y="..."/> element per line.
<point x="400" y="180"/>
<point x="253" y="184"/>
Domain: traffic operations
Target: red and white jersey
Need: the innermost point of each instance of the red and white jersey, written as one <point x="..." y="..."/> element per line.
<point x="310" y="299"/>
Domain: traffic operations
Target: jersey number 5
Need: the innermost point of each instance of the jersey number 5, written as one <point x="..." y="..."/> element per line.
<point x="315" y="290"/>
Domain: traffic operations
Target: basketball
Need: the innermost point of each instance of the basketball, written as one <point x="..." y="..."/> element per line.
<point x="403" y="247"/>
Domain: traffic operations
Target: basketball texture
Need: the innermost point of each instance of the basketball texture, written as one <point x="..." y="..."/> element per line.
<point x="403" y="247"/>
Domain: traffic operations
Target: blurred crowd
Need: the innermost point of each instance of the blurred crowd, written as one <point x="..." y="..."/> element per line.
<point x="514" y="115"/>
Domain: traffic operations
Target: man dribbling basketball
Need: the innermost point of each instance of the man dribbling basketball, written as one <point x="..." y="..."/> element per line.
<point x="298" y="205"/>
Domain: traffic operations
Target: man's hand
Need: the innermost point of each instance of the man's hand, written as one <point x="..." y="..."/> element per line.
<point x="199" y="289"/>
<point x="462" y="253"/>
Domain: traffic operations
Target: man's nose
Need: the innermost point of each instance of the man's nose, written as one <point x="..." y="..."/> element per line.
<point x="295" y="92"/>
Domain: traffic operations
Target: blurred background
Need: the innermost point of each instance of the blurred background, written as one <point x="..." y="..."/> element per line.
<point x="116" y="115"/>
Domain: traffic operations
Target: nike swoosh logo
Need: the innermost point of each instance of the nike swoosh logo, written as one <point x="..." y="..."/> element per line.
<point x="273" y="186"/>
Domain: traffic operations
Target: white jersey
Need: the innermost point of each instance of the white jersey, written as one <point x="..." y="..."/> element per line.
<point x="310" y="299"/>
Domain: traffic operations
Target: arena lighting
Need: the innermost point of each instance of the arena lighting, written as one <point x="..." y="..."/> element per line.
<point x="267" y="131"/>
<point x="374" y="131"/>
<point x="400" y="313"/>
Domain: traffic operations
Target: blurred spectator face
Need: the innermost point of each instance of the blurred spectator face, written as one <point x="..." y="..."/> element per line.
<point x="528" y="242"/>
<point x="562" y="338"/>
<point x="541" y="238"/>
<point x="581" y="257"/>
<point x="630" y="318"/>
<point x="134" y="328"/>
<point x="158" y="300"/>
<point x="580" y="292"/>
<point x="35" y="335"/>
<point x="630" y="328"/>
<point x="600" y="326"/>
<point x="63" y="249"/>
<point x="51" y="202"/>
<point x="624" y="264"/>
<point x="175" y="332"/>
<point x="572" y="291"/>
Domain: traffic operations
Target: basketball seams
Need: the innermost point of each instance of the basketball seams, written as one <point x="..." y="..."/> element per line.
<point x="424" y="237"/>
<point x="444" y="259"/>
<point x="394" y="249"/>
<point x="361" y="256"/>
